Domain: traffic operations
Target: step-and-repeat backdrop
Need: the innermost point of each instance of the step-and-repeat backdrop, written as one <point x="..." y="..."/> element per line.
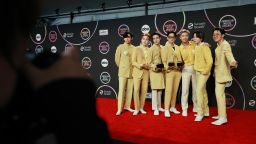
<point x="97" y="42"/>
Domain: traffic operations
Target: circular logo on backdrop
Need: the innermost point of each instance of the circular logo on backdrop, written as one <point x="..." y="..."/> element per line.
<point x="104" y="62"/>
<point x="252" y="103"/>
<point x="39" y="49"/>
<point x="228" y="84"/>
<point x="105" y="77"/>
<point x="85" y="33"/>
<point x="67" y="47"/>
<point x="106" y="91"/>
<point x="53" y="49"/>
<point x="145" y="29"/>
<point x="38" y="37"/>
<point x="122" y="29"/>
<point x="86" y="63"/>
<point x="52" y="36"/>
<point x="230" y="101"/>
<point x="104" y="47"/>
<point x="169" y="25"/>
<point x="190" y="26"/>
<point x="254" y="41"/>
<point x="255" y="62"/>
<point x="253" y="83"/>
<point x="227" y="22"/>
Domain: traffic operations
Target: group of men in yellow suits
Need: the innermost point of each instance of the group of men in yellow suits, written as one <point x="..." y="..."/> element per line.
<point x="165" y="66"/>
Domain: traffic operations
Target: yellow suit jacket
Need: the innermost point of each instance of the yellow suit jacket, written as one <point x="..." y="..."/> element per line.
<point x="188" y="53"/>
<point x="156" y="78"/>
<point x="138" y="59"/>
<point x="169" y="54"/>
<point x="203" y="59"/>
<point x="223" y="59"/>
<point x="123" y="59"/>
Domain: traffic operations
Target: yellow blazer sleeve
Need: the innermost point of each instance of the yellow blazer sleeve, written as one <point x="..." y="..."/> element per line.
<point x="134" y="59"/>
<point x="178" y="53"/>
<point x="208" y="58"/>
<point x="228" y="53"/>
<point x="118" y="56"/>
<point x="164" y="57"/>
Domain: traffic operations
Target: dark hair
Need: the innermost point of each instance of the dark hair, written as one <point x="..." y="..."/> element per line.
<point x="18" y="23"/>
<point x="156" y="33"/>
<point x="221" y="30"/>
<point x="145" y="34"/>
<point x="127" y="34"/>
<point x="171" y="32"/>
<point x="199" y="34"/>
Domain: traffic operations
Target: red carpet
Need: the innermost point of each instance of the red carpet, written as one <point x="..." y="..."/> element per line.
<point x="240" y="129"/>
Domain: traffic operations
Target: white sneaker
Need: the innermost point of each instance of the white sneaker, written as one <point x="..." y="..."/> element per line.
<point x="161" y="109"/>
<point x="174" y="110"/>
<point x="216" y="117"/>
<point x="136" y="112"/>
<point x="194" y="109"/>
<point x="167" y="113"/>
<point x="142" y="111"/>
<point x="129" y="109"/>
<point x="156" y="112"/>
<point x="118" y="112"/>
<point x="206" y="114"/>
<point x="199" y="118"/>
<point x="220" y="121"/>
<point x="184" y="113"/>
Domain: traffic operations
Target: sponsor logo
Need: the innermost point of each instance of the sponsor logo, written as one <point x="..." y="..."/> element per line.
<point x="85" y="48"/>
<point x="253" y="83"/>
<point x="68" y="35"/>
<point x="52" y="36"/>
<point x="38" y="37"/>
<point x="232" y="42"/>
<point x="254" y="42"/>
<point x="86" y="63"/>
<point x="39" y="49"/>
<point x="85" y="33"/>
<point x="53" y="49"/>
<point x="190" y="26"/>
<point x="230" y="101"/>
<point x="67" y="47"/>
<point x="145" y="28"/>
<point x="227" y="22"/>
<point x="252" y="103"/>
<point x="104" y="62"/>
<point x="228" y="84"/>
<point x="254" y="20"/>
<point x="103" y="32"/>
<point x="106" y="91"/>
<point x="199" y="25"/>
<point x="122" y="29"/>
<point x="169" y="25"/>
<point x="104" y="47"/>
<point x="105" y="77"/>
<point x="255" y="62"/>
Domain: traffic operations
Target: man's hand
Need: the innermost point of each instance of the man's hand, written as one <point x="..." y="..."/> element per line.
<point x="146" y="66"/>
<point x="233" y="65"/>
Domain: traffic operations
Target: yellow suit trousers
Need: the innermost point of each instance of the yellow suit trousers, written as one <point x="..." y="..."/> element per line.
<point x="125" y="90"/>
<point x="221" y="98"/>
<point x="201" y="93"/>
<point x="172" y="81"/>
<point x="140" y="90"/>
